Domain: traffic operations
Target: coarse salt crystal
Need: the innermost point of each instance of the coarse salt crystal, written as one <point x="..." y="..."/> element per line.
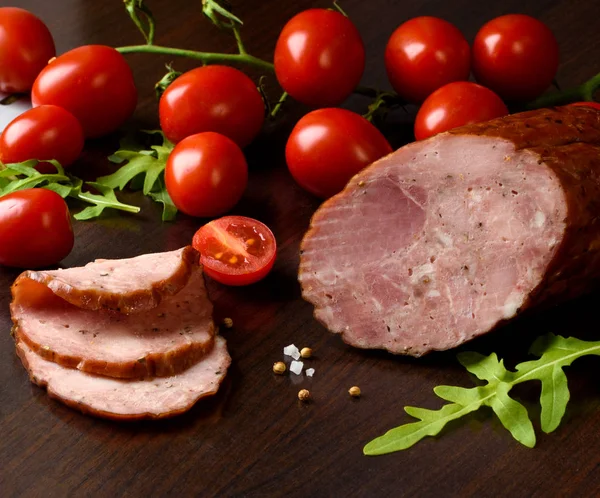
<point x="296" y="367"/>
<point x="310" y="372"/>
<point x="292" y="351"/>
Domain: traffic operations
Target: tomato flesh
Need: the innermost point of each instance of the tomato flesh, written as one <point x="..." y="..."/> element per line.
<point x="236" y="250"/>
<point x="35" y="229"/>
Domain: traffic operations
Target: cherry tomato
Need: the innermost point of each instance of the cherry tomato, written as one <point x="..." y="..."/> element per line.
<point x="26" y="46"/>
<point x="212" y="98"/>
<point x="319" y="57"/>
<point x="94" y="83"/>
<point x="236" y="250"/>
<point x="457" y="104"/>
<point x="595" y="105"/>
<point x="424" y="54"/>
<point x="516" y="56"/>
<point x="44" y="132"/>
<point x="327" y="147"/>
<point x="206" y="174"/>
<point x="35" y="228"/>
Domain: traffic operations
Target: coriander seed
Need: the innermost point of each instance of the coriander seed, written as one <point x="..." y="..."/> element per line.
<point x="279" y="368"/>
<point x="306" y="352"/>
<point x="354" y="391"/>
<point x="227" y="323"/>
<point x="303" y="395"/>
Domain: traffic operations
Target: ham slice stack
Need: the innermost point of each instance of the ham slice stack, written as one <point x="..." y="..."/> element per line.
<point x="121" y="339"/>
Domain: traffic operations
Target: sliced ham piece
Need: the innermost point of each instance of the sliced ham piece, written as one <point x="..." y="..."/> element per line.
<point x="159" y="342"/>
<point x="129" y="399"/>
<point x="124" y="285"/>
<point x="447" y="238"/>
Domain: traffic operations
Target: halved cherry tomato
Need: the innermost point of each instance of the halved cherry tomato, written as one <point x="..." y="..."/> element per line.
<point x="457" y="104"/>
<point x="44" y="132"/>
<point x="424" y="54"/>
<point x="319" y="57"/>
<point x="26" y="46"/>
<point x="516" y="56"/>
<point x="206" y="174"/>
<point x="236" y="250"/>
<point x="595" y="105"/>
<point x="212" y="98"/>
<point x="327" y="147"/>
<point x="35" y="228"/>
<point x="94" y="83"/>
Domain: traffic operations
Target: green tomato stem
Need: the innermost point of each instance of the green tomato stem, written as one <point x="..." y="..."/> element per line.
<point x="584" y="92"/>
<point x="204" y="57"/>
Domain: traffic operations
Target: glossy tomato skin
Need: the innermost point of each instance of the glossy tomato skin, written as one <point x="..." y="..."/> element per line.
<point x="594" y="105"/>
<point x="212" y="98"/>
<point x="26" y="46"/>
<point x="457" y="104"/>
<point x="424" y="54"/>
<point x="35" y="229"/>
<point x="44" y="132"/>
<point x="206" y="174"/>
<point x="319" y="57"/>
<point x="229" y="237"/>
<point x="327" y="147"/>
<point x="94" y="83"/>
<point x="516" y="56"/>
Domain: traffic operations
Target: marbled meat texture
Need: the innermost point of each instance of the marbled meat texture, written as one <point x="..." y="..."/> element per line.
<point x="447" y="238"/>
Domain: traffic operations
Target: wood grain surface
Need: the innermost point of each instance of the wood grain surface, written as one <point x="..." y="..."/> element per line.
<point x="254" y="438"/>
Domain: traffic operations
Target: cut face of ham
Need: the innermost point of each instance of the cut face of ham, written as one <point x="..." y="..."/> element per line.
<point x="446" y="238"/>
<point x="159" y="342"/>
<point x="129" y="399"/>
<point x="124" y="285"/>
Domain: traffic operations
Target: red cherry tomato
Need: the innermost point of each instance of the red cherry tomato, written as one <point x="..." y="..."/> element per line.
<point x="206" y="174"/>
<point x="212" y="98"/>
<point x="94" y="83"/>
<point x="595" y="105"/>
<point x="26" y="46"/>
<point x="457" y="104"/>
<point x="319" y="57"/>
<point x="44" y="132"/>
<point x="327" y="147"/>
<point x="35" y="229"/>
<point x="424" y="54"/>
<point x="236" y="250"/>
<point x="516" y="56"/>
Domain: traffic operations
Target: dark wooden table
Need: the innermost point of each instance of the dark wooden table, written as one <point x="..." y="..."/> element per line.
<point x="254" y="438"/>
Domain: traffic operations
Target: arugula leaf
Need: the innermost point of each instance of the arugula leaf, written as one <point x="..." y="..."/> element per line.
<point x="161" y="195"/>
<point x="24" y="175"/>
<point x="554" y="352"/>
<point x="106" y="199"/>
<point x="143" y="168"/>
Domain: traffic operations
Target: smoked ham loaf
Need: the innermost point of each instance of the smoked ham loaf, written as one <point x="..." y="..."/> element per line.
<point x="447" y="238"/>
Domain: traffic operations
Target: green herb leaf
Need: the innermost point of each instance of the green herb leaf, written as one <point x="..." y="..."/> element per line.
<point x="554" y="352"/>
<point x="143" y="168"/>
<point x="106" y="199"/>
<point x="161" y="195"/>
